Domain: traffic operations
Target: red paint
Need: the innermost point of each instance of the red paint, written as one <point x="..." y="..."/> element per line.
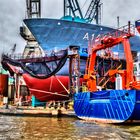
<point x="138" y="28"/>
<point x="108" y="42"/>
<point x="48" y="89"/>
<point x="4" y="84"/>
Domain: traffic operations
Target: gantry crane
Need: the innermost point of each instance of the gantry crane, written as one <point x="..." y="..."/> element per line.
<point x="108" y="41"/>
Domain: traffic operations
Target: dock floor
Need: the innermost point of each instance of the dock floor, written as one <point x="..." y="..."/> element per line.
<point x="36" y="111"/>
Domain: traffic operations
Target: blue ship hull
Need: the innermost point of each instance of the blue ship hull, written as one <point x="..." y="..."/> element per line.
<point x="114" y="106"/>
<point x="60" y="34"/>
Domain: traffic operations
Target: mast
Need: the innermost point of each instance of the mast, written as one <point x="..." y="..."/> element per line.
<point x="33" y="8"/>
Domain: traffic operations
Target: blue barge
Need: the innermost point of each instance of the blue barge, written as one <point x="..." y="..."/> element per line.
<point x="118" y="104"/>
<point x="114" y="106"/>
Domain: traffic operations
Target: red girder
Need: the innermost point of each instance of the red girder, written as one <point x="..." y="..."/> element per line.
<point x="108" y="42"/>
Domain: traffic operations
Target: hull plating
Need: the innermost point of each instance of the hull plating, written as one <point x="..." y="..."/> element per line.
<point x="48" y="89"/>
<point x="115" y="106"/>
<point x="57" y="33"/>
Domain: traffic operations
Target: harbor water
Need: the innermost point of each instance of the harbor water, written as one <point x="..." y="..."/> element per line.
<point x="45" y="128"/>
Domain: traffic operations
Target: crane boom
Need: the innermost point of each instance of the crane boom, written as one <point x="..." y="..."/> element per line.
<point x="94" y="12"/>
<point x="72" y="7"/>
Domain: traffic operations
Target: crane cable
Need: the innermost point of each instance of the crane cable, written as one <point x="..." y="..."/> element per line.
<point x="84" y="4"/>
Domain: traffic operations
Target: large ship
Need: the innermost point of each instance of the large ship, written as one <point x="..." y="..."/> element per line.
<point x="45" y="35"/>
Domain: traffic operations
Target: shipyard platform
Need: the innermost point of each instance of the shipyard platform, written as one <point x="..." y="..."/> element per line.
<point x="36" y="112"/>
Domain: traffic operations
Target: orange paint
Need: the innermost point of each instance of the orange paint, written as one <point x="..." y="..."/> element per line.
<point x="109" y="42"/>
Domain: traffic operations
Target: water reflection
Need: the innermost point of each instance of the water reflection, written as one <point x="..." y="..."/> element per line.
<point x="9" y="128"/>
<point x="36" y="128"/>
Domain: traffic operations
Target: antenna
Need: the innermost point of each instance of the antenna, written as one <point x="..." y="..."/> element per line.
<point x="33" y="8"/>
<point x="118" y="21"/>
<point x="14" y="48"/>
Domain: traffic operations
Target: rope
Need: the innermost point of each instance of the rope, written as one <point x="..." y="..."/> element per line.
<point x="84" y="4"/>
<point x="51" y="83"/>
<point x="62" y="101"/>
<point x="48" y="92"/>
<point x="62" y="85"/>
<point x="46" y="96"/>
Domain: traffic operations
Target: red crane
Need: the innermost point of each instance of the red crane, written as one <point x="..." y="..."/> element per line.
<point x="109" y="41"/>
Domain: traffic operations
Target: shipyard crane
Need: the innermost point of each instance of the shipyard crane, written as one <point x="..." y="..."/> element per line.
<point x="72" y="7"/>
<point x="94" y="12"/>
<point x="108" y="41"/>
<point x="33" y="8"/>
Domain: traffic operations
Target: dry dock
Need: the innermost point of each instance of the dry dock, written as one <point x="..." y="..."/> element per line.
<point x="36" y="112"/>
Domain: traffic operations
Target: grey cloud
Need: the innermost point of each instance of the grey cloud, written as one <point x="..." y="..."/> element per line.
<point x="125" y="9"/>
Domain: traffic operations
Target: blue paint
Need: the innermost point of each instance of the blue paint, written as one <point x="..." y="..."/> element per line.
<point x="60" y="34"/>
<point x="36" y="102"/>
<point x="137" y="23"/>
<point x="116" y="105"/>
<point x="75" y="19"/>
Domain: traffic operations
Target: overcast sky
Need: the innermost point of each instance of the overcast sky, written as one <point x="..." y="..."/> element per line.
<point x="12" y="12"/>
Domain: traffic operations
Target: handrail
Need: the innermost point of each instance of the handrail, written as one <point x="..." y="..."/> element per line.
<point x="122" y="31"/>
